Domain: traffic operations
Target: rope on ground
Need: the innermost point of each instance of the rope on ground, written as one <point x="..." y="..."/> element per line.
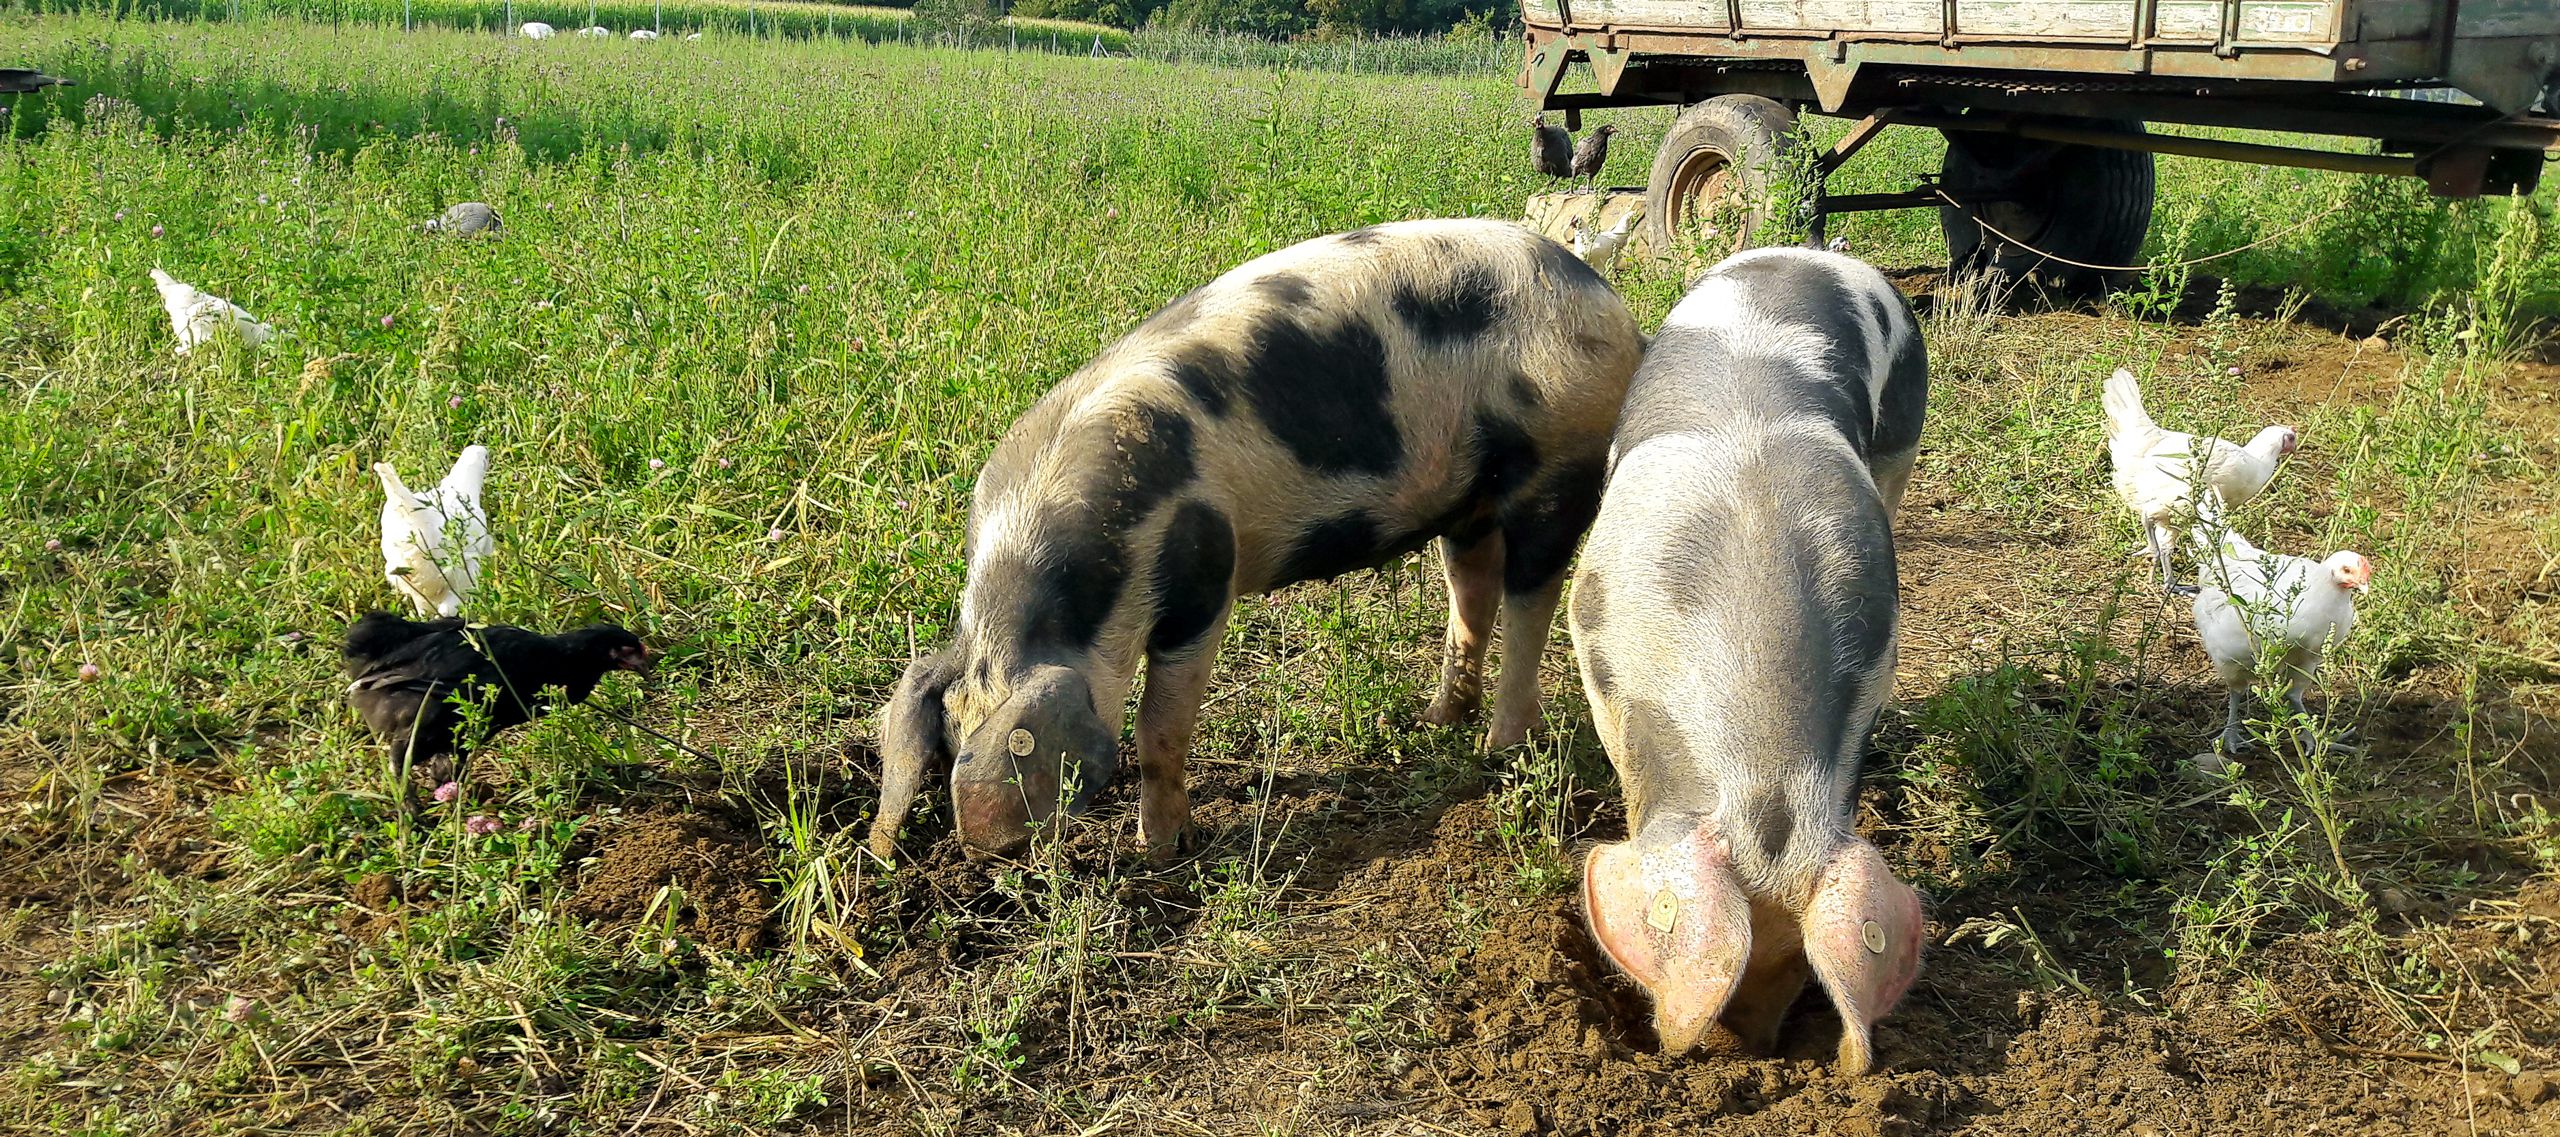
<point x="634" y="724"/>
<point x="2262" y="242"/>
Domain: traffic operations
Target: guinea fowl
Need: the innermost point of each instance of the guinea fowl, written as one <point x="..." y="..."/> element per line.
<point x="467" y="219"/>
<point x="1592" y="154"/>
<point x="405" y="673"/>
<point x="1551" y="149"/>
<point x="22" y="81"/>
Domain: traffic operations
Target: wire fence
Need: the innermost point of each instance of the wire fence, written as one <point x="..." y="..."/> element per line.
<point x="1430" y="54"/>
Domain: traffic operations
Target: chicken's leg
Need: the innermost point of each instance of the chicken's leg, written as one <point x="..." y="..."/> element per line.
<point x="2158" y="534"/>
<point x="2308" y="732"/>
<point x="2235" y="727"/>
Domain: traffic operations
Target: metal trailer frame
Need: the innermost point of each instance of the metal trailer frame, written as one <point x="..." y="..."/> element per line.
<point x="1951" y="79"/>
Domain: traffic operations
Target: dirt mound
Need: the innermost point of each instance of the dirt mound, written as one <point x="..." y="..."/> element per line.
<point x="710" y="873"/>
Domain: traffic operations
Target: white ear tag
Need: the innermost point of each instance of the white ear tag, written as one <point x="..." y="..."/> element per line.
<point x="1665" y="914"/>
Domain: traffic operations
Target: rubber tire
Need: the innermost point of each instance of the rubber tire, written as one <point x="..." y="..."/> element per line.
<point x="1751" y="135"/>
<point x="2083" y="202"/>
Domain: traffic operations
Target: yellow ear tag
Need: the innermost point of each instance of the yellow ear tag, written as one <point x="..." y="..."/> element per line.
<point x="1666" y="912"/>
<point x="1020" y="742"/>
<point x="1873" y="933"/>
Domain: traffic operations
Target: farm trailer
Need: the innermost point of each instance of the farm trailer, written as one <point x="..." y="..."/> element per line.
<point x="2043" y="104"/>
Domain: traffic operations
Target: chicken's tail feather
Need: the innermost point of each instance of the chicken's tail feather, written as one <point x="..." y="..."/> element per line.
<point x="2124" y="405"/>
<point x="393" y="488"/>
<point x="469" y="471"/>
<point x="375" y="635"/>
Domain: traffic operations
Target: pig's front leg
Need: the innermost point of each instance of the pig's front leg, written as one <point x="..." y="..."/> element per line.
<point x="1527" y="618"/>
<point x="1168" y="714"/>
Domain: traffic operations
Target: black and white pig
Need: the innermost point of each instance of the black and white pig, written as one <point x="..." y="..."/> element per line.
<point x="1734" y="618"/>
<point x="1325" y="408"/>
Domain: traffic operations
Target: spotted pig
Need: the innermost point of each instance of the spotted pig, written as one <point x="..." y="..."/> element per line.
<point x="1325" y="408"/>
<point x="1734" y="618"/>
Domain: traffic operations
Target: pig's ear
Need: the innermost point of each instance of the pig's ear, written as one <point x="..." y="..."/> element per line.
<point x="911" y="741"/>
<point x="1673" y="917"/>
<point x="1862" y="933"/>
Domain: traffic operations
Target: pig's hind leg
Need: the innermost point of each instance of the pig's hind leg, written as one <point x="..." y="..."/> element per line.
<point x="1474" y="573"/>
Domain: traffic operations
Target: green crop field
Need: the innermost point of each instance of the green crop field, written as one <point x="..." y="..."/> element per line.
<point x="762" y="307"/>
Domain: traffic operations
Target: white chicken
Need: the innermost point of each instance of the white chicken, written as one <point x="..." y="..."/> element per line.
<point x="536" y="29"/>
<point x="2293" y="607"/>
<point x="2154" y="470"/>
<point x="1601" y="250"/>
<point x="197" y="316"/>
<point x="433" y="543"/>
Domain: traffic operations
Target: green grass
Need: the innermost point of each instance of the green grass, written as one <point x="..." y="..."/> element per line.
<point x="761" y="311"/>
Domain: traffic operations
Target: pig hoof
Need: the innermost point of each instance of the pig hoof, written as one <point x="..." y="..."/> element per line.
<point x="1448" y="710"/>
<point x="1506" y="735"/>
<point x="1164" y="850"/>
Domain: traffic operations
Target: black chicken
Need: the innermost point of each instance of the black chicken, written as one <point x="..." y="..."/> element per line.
<point x="1593" y="153"/>
<point x="1551" y="149"/>
<point x="405" y="673"/>
<point x="20" y="81"/>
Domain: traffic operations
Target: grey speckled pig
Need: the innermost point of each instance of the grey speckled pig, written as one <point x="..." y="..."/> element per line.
<point x="1322" y="409"/>
<point x="1734" y="615"/>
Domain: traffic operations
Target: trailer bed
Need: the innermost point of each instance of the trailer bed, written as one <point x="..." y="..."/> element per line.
<point x="2501" y="52"/>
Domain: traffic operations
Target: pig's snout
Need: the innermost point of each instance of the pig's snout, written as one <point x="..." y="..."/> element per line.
<point x="999" y="801"/>
<point x="1044" y="750"/>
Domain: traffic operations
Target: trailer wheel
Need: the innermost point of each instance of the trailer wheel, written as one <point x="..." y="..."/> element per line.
<point x="1714" y="178"/>
<point x="2085" y="203"/>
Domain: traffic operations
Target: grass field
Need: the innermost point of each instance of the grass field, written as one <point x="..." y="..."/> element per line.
<point x="761" y="310"/>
